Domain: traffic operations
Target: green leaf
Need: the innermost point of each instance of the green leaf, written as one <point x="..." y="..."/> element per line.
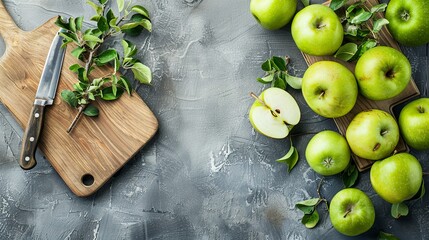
<point x="398" y="210"/>
<point x="121" y="4"/>
<point x="350" y="11"/>
<point x="91" y="38"/>
<point x="351" y="30"/>
<point x="280" y="63"/>
<point x="141" y="10"/>
<point x="61" y="23"/>
<point x="69" y="36"/>
<point x="305" y="2"/>
<point x="350" y="175"/>
<point x="142" y="73"/>
<point x="102" y="1"/>
<point x="307" y="206"/>
<point x="72" y="24"/>
<point x="69" y="97"/>
<point x="110" y="15"/>
<point x="346" y="52"/>
<point x="106" y="56"/>
<point x="91" y="111"/>
<point x="266" y="66"/>
<point x="267" y="79"/>
<point x="379" y="8"/>
<point x="294" y="82"/>
<point x="98" y="9"/>
<point x="365" y="46"/>
<point x="75" y="68"/>
<point x="107" y="94"/>
<point x="102" y="24"/>
<point x="386" y="236"/>
<point x="290" y="159"/>
<point x="130" y="49"/>
<point x="78" y="22"/>
<point x="378" y="24"/>
<point x="77" y="52"/>
<point x="337" y="4"/>
<point x="361" y="17"/>
<point x="278" y="82"/>
<point x="143" y="22"/>
<point x="310" y="220"/>
<point x="125" y="83"/>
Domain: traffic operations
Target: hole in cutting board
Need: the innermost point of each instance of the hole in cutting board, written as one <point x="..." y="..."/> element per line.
<point x="87" y="179"/>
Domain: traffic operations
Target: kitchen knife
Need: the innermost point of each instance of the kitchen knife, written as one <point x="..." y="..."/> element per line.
<point x="44" y="96"/>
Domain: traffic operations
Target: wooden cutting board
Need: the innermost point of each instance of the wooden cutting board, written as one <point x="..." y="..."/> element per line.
<point x="386" y="39"/>
<point x="98" y="147"/>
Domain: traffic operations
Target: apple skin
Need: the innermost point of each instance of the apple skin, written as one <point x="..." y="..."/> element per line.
<point x="396" y="178"/>
<point x="329" y="89"/>
<point x="382" y="73"/>
<point x="277" y="115"/>
<point x="413" y="123"/>
<point x="273" y="14"/>
<point x="408" y="21"/>
<point x="373" y="134"/>
<point x="351" y="212"/>
<point x="317" y="30"/>
<point x="328" y="153"/>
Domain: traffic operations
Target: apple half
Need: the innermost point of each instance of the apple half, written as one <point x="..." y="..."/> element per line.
<point x="274" y="113"/>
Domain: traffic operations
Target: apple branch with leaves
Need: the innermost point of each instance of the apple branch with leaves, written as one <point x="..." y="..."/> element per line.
<point x="361" y="26"/>
<point x="88" y="46"/>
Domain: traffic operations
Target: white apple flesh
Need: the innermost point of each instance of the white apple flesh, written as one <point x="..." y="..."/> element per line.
<point x="274" y="113"/>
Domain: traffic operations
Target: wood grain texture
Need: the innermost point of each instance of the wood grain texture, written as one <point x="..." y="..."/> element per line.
<point x="386" y="39"/>
<point x="98" y="146"/>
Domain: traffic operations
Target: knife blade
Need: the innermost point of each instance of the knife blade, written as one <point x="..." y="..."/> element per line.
<point x="44" y="96"/>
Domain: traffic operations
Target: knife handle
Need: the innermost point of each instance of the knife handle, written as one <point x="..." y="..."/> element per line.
<point x="31" y="137"/>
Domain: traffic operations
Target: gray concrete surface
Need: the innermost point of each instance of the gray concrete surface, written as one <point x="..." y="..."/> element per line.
<point x="206" y="174"/>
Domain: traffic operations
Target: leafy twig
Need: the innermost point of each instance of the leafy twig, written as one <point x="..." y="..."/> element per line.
<point x="87" y="46"/>
<point x="308" y="207"/>
<point x="360" y="34"/>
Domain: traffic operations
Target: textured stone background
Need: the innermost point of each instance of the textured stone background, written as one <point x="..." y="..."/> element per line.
<point x="206" y="174"/>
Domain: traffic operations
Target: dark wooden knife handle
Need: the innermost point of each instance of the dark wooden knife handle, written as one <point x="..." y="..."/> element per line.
<point x="31" y="137"/>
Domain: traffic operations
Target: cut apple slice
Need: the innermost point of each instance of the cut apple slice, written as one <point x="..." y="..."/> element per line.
<point x="274" y="113"/>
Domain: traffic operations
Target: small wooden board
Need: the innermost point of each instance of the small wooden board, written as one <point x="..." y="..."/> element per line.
<point x="386" y="39"/>
<point x="98" y="147"/>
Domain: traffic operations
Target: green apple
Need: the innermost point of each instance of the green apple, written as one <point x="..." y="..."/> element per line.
<point x="414" y="123"/>
<point x="273" y="14"/>
<point x="329" y="89"/>
<point x="396" y="178"/>
<point x="382" y="73"/>
<point x="408" y="21"/>
<point x="328" y="153"/>
<point x="351" y="212"/>
<point x="317" y="30"/>
<point x="373" y="134"/>
<point x="274" y="113"/>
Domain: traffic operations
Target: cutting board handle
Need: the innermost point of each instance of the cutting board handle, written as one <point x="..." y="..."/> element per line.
<point x="8" y="28"/>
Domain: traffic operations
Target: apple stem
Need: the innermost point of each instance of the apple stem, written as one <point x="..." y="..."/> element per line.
<point x="349" y="210"/>
<point x="421" y="109"/>
<point x="376" y="147"/>
<point x="321" y="94"/>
